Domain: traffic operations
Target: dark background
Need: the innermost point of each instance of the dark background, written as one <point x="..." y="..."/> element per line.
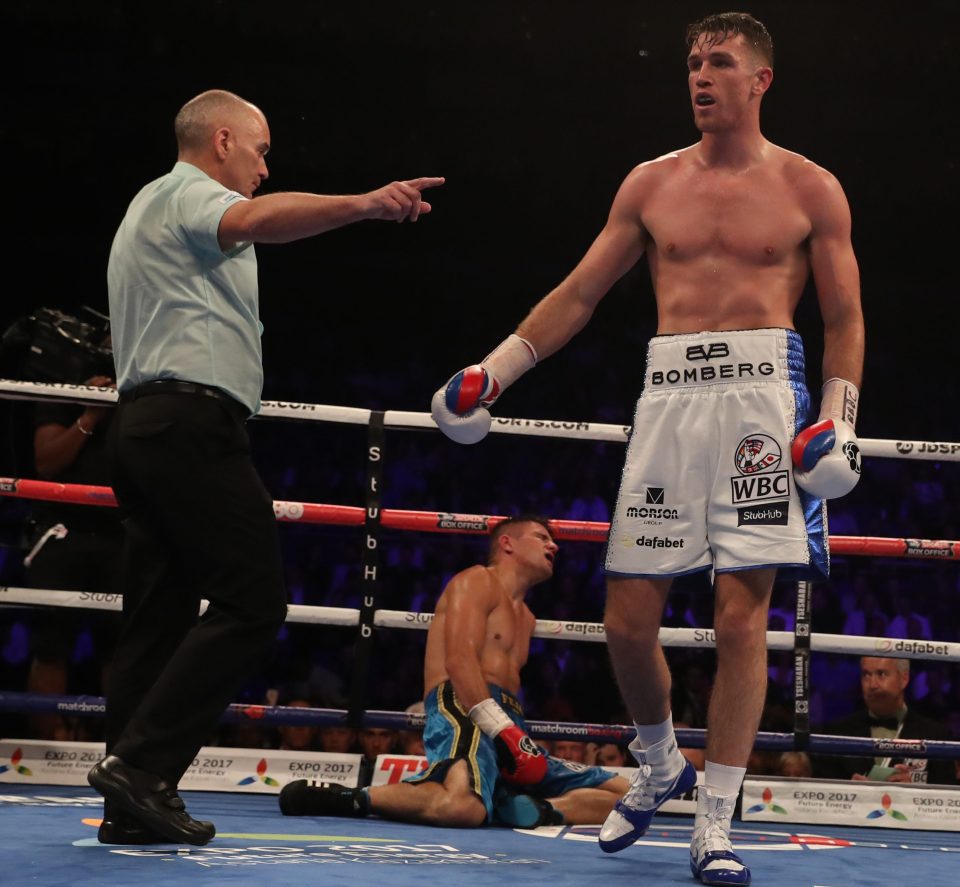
<point x="535" y="112"/>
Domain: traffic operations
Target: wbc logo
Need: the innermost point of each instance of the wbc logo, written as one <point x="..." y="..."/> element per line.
<point x="759" y="452"/>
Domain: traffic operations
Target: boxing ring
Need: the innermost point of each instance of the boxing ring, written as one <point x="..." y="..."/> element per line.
<point x="252" y="833"/>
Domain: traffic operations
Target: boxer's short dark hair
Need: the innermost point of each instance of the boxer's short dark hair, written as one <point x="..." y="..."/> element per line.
<point x="722" y="25"/>
<point x="515" y="521"/>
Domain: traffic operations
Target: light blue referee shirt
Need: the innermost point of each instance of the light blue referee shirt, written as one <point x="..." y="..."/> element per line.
<point x="180" y="308"/>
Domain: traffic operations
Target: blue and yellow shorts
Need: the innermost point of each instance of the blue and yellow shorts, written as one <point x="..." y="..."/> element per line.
<point x="450" y="736"/>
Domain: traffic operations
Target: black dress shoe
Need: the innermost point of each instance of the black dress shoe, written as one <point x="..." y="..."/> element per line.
<point x="153" y="804"/>
<point x="113" y="832"/>
<point x="124" y="829"/>
<point x="118" y="827"/>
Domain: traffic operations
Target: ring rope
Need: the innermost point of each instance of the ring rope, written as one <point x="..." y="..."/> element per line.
<point x="687" y="737"/>
<point x="938" y="451"/>
<point x="704" y="638"/>
<point x="432" y="521"/>
<point x="469" y="524"/>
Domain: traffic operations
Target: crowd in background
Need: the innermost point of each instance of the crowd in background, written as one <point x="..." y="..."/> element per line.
<point x="571" y="479"/>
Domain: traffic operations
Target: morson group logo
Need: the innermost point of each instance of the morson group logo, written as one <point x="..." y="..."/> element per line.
<point x="654" y="496"/>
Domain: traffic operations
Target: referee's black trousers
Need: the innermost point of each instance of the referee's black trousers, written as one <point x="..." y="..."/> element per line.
<point x="199" y="524"/>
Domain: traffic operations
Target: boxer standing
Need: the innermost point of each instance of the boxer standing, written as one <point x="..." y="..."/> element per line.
<point x="732" y="228"/>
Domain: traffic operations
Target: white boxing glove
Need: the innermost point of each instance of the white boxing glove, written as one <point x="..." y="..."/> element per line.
<point x="460" y="408"/>
<point x="826" y="455"/>
<point x="468" y="428"/>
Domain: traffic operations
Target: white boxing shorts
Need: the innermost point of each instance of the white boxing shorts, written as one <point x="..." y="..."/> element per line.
<point x="708" y="481"/>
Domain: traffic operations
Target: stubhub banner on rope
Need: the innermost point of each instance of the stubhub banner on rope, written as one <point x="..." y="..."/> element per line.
<point x="875" y="804"/>
<point x="214" y="769"/>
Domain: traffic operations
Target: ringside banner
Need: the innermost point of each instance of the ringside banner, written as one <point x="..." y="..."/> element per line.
<point x="214" y="769"/>
<point x="872" y="804"/>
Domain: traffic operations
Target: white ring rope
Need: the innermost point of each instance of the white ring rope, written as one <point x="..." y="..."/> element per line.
<point x="703" y="638"/>
<point x="312" y="412"/>
<point x="95" y="600"/>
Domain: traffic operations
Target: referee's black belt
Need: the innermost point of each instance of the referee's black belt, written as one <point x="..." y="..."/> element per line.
<point x="177" y="386"/>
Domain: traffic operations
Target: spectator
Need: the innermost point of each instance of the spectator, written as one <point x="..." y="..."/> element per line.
<point x="373" y="741"/>
<point x="906" y="622"/>
<point x="338" y="740"/>
<point x="297" y="737"/>
<point x="796" y="764"/>
<point x="866" y="616"/>
<point x="885" y="715"/>
<point x="570" y="750"/>
<point x="613" y="755"/>
<point x="72" y="547"/>
<point x="935" y="702"/>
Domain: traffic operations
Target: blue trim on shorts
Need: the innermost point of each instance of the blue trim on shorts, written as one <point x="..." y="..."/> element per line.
<point x="796" y="362"/>
<point x="814" y="510"/>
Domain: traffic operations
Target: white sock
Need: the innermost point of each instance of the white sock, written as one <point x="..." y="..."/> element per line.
<point x="662" y="755"/>
<point x="651" y="734"/>
<point x="723" y="781"/>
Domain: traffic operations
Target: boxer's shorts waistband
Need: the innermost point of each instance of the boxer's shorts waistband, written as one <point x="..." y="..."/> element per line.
<point x="502" y="697"/>
<point x="695" y="360"/>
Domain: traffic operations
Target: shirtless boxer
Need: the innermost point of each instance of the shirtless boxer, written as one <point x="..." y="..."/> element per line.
<point x="732" y="227"/>
<point x="482" y="765"/>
